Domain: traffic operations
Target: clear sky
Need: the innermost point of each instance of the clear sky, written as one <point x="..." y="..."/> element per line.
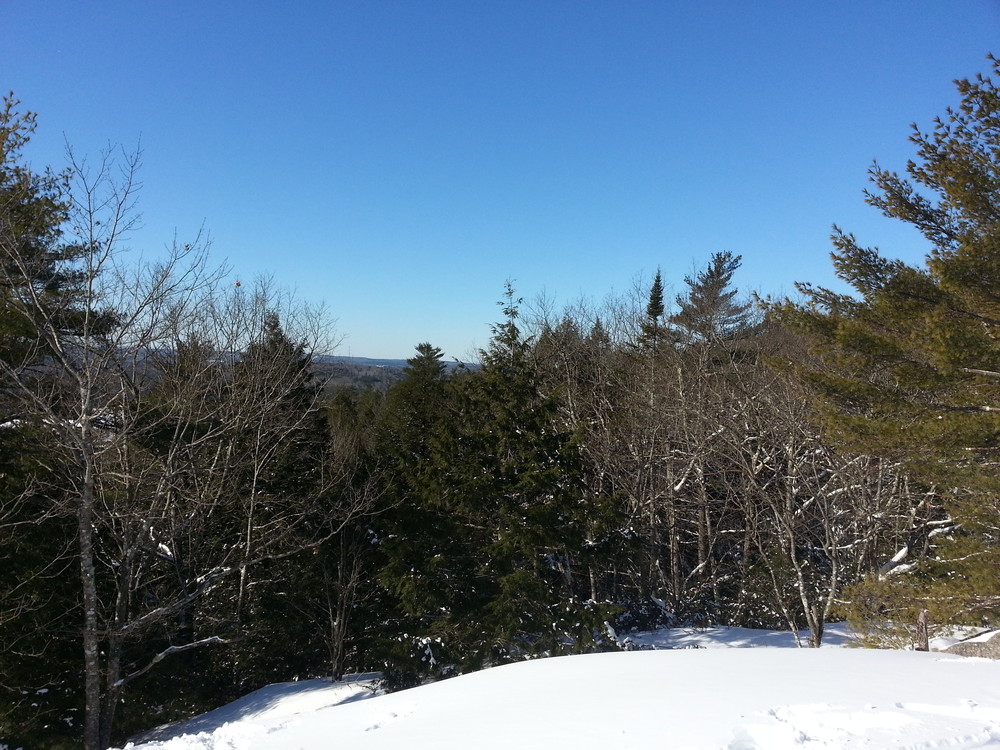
<point x="401" y="160"/>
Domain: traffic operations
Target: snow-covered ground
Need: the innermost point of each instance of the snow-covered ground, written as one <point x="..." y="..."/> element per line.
<point x="756" y="694"/>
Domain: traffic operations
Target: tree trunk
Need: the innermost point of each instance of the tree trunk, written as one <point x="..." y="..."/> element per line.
<point x="923" y="641"/>
<point x="91" y="638"/>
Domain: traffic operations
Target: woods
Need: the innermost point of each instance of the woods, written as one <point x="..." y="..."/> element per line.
<point x="182" y="498"/>
<point x="173" y="443"/>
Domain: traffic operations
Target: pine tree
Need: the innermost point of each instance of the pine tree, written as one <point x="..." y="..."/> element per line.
<point x="709" y="310"/>
<point x="287" y="450"/>
<point x="415" y="529"/>
<point x="413" y="406"/>
<point x="287" y="369"/>
<point x="33" y="208"/>
<point x="39" y="591"/>
<point x="335" y="608"/>
<point x="910" y="358"/>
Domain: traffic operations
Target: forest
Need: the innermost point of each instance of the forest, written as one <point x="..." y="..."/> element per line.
<point x="188" y="512"/>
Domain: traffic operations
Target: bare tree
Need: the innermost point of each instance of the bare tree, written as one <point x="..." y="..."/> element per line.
<point x="739" y="511"/>
<point x="161" y="432"/>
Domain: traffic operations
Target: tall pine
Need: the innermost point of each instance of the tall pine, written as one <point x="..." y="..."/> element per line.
<point x="909" y="358"/>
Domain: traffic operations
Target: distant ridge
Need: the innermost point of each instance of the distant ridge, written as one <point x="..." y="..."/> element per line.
<point x="393" y="364"/>
<point x="363" y="373"/>
<point x="336" y="359"/>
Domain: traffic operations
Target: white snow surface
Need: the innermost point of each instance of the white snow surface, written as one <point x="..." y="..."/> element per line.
<point x="685" y="688"/>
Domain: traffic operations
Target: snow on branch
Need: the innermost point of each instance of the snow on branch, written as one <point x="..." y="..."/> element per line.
<point x="165" y="653"/>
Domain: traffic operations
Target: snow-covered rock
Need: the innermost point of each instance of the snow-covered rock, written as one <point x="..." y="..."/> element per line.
<point x="985" y="645"/>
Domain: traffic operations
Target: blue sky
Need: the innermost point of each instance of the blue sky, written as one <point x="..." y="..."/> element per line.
<point x="401" y="160"/>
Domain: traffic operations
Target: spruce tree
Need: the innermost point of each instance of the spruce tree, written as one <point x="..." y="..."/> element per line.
<point x="415" y="530"/>
<point x="652" y="324"/>
<point x="418" y="537"/>
<point x="271" y="638"/>
<point x="412" y="407"/>
<point x="494" y="572"/>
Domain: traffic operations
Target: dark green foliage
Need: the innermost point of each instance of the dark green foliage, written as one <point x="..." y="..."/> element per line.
<point x="413" y="406"/>
<point x="415" y="532"/>
<point x="272" y="632"/>
<point x="417" y="537"/>
<point x="40" y="687"/>
<point x="297" y="460"/>
<point x="32" y="210"/>
<point x="40" y="702"/>
<point x="37" y="260"/>
<point x="488" y="534"/>
<point x="652" y="324"/>
<point x="654" y="308"/>
<point x="469" y="517"/>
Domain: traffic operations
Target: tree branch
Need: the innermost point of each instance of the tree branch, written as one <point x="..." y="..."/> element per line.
<point x="164" y="654"/>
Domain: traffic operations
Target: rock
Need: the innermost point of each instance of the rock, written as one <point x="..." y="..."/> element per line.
<point x="985" y="645"/>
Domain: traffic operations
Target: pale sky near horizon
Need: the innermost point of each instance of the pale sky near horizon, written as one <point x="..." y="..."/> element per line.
<point x="401" y="160"/>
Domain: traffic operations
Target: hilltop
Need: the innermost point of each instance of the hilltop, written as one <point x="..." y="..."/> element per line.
<point x="710" y="693"/>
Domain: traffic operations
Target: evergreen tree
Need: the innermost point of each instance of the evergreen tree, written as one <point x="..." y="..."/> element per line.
<point x="412" y="408"/>
<point x="415" y="530"/>
<point x="33" y="208"/>
<point x="321" y="609"/>
<point x="709" y="310"/>
<point x="39" y="602"/>
<point x="652" y="324"/>
<point x="654" y="308"/>
<point x="39" y="687"/>
<point x="420" y="539"/>
<point x="910" y="358"/>
<point x="294" y="468"/>
<point x="270" y="638"/>
<point x="494" y="577"/>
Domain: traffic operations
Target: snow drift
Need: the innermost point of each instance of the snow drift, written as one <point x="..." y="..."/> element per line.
<point x="737" y="698"/>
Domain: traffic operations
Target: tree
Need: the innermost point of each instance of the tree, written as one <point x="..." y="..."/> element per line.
<point x="413" y="406"/>
<point x="38" y="597"/>
<point x="909" y="359"/>
<point x="34" y="207"/>
<point x="418" y="536"/>
<point x="491" y="571"/>
<point x="652" y="324"/>
<point x="711" y="494"/>
<point x="709" y="310"/>
<point x="166" y="454"/>
<point x="270" y="407"/>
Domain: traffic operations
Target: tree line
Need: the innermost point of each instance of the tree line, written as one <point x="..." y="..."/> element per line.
<point x="188" y="515"/>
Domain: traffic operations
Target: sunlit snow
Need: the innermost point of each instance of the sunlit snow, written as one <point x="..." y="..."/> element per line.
<point x="680" y="688"/>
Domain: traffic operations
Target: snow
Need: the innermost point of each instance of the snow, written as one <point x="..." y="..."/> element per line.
<point x="683" y="688"/>
<point x="836" y="634"/>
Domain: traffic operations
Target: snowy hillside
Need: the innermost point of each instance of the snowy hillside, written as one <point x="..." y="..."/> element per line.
<point x="737" y="698"/>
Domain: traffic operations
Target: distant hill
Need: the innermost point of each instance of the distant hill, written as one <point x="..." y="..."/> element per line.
<point x="335" y="359"/>
<point x="362" y="372"/>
